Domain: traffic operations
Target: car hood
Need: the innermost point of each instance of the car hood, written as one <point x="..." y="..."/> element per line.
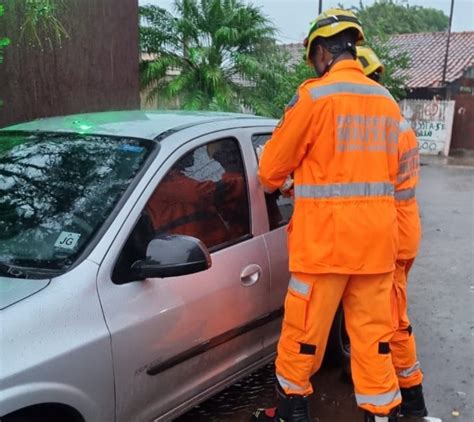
<point x="12" y="290"/>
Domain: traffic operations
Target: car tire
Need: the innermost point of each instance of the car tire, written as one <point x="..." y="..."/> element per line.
<point x="338" y="352"/>
<point x="44" y="413"/>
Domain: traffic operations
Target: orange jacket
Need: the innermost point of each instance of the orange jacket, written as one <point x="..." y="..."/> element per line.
<point x="408" y="215"/>
<point x="181" y="205"/>
<point x="339" y="136"/>
<point x="230" y="206"/>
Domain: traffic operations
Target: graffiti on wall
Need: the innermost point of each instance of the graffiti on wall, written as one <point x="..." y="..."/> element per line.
<point x="433" y="123"/>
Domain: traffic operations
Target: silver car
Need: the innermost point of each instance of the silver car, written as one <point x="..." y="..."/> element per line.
<point x="142" y="268"/>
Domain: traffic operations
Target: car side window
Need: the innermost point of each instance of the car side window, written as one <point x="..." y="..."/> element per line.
<point x="203" y="195"/>
<point x="279" y="208"/>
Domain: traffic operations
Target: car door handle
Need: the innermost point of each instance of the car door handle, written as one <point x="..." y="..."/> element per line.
<point x="250" y="275"/>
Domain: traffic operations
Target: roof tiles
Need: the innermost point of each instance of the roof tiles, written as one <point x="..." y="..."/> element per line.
<point x="427" y="52"/>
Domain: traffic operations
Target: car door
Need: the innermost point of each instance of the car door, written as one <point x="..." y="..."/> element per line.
<point x="173" y="339"/>
<point x="279" y="210"/>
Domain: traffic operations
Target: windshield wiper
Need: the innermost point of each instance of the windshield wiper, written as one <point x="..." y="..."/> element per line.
<point x="10" y="271"/>
<point x="30" y="273"/>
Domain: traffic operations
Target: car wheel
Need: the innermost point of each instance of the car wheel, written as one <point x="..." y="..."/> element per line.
<point x="338" y="350"/>
<point x="44" y="413"/>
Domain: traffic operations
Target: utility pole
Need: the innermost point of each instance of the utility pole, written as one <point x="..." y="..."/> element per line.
<point x="447" y="45"/>
<point x="320" y="7"/>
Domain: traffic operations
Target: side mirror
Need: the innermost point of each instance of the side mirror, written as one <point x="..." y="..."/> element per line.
<point x="172" y="256"/>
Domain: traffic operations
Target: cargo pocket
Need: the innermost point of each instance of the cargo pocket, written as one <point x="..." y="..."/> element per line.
<point x="296" y="303"/>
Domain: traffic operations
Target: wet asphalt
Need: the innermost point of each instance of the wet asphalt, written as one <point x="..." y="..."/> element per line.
<point x="441" y="294"/>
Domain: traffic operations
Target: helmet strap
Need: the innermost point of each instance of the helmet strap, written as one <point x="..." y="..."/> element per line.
<point x="337" y="51"/>
<point x="375" y="76"/>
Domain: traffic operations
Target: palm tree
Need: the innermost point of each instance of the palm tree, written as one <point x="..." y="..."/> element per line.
<point x="221" y="51"/>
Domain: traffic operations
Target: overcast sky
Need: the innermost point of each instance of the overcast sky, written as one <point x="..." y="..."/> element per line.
<point x="292" y="17"/>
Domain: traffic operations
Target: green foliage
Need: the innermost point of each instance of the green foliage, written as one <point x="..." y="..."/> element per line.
<point x="224" y="55"/>
<point x="379" y="21"/>
<point x="394" y="62"/>
<point x="222" y="50"/>
<point x="41" y="23"/>
<point x="4" y="42"/>
<point x="284" y="86"/>
<point x="385" y="17"/>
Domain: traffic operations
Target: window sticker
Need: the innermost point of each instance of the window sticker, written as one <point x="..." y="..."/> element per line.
<point x="67" y="240"/>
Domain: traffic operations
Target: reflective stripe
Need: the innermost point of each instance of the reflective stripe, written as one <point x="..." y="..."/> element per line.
<point x="405" y="373"/>
<point x="404" y="126"/>
<point x="318" y="92"/>
<point x="404" y="194"/>
<point x="401" y="178"/>
<point x="378" y="399"/>
<point x="409" y="165"/>
<point x="404" y="168"/>
<point x="343" y="190"/>
<point x="288" y="384"/>
<point x="299" y="286"/>
<point x="410" y="153"/>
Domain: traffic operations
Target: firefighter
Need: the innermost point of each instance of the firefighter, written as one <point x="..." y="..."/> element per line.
<point x="373" y="67"/>
<point x="339" y="138"/>
<point x="231" y="188"/>
<point x="182" y="205"/>
<point x="402" y="345"/>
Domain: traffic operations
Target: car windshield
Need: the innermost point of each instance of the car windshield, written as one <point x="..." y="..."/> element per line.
<point x="56" y="190"/>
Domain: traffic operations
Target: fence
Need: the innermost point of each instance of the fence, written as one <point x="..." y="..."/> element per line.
<point x="463" y="127"/>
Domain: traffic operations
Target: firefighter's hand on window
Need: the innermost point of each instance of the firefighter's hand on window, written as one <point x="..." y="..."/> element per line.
<point x="287" y="189"/>
<point x="259" y="151"/>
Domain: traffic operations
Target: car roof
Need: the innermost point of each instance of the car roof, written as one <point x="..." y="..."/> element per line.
<point x="144" y="124"/>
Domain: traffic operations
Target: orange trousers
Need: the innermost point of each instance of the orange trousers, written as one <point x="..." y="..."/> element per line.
<point x="310" y="306"/>
<point x="402" y="344"/>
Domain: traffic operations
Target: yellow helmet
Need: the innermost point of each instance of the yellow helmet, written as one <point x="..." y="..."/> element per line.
<point x="369" y="60"/>
<point x="332" y="22"/>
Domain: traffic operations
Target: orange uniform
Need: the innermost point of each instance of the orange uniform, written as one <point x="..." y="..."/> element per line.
<point x="339" y="137"/>
<point x="342" y="148"/>
<point x="229" y="205"/>
<point x="409" y="226"/>
<point x="408" y="215"/>
<point x="181" y="205"/>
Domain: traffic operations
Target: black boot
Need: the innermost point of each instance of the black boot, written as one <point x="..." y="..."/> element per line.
<point x="393" y="417"/>
<point x="290" y="408"/>
<point x="413" y="402"/>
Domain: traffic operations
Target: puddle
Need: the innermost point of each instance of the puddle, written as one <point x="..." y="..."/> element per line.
<point x="238" y="401"/>
<point x="333" y="400"/>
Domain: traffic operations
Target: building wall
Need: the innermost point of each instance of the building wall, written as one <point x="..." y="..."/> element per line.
<point x="95" y="69"/>
<point x="463" y="85"/>
<point x="432" y="121"/>
<point x="462" y="92"/>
